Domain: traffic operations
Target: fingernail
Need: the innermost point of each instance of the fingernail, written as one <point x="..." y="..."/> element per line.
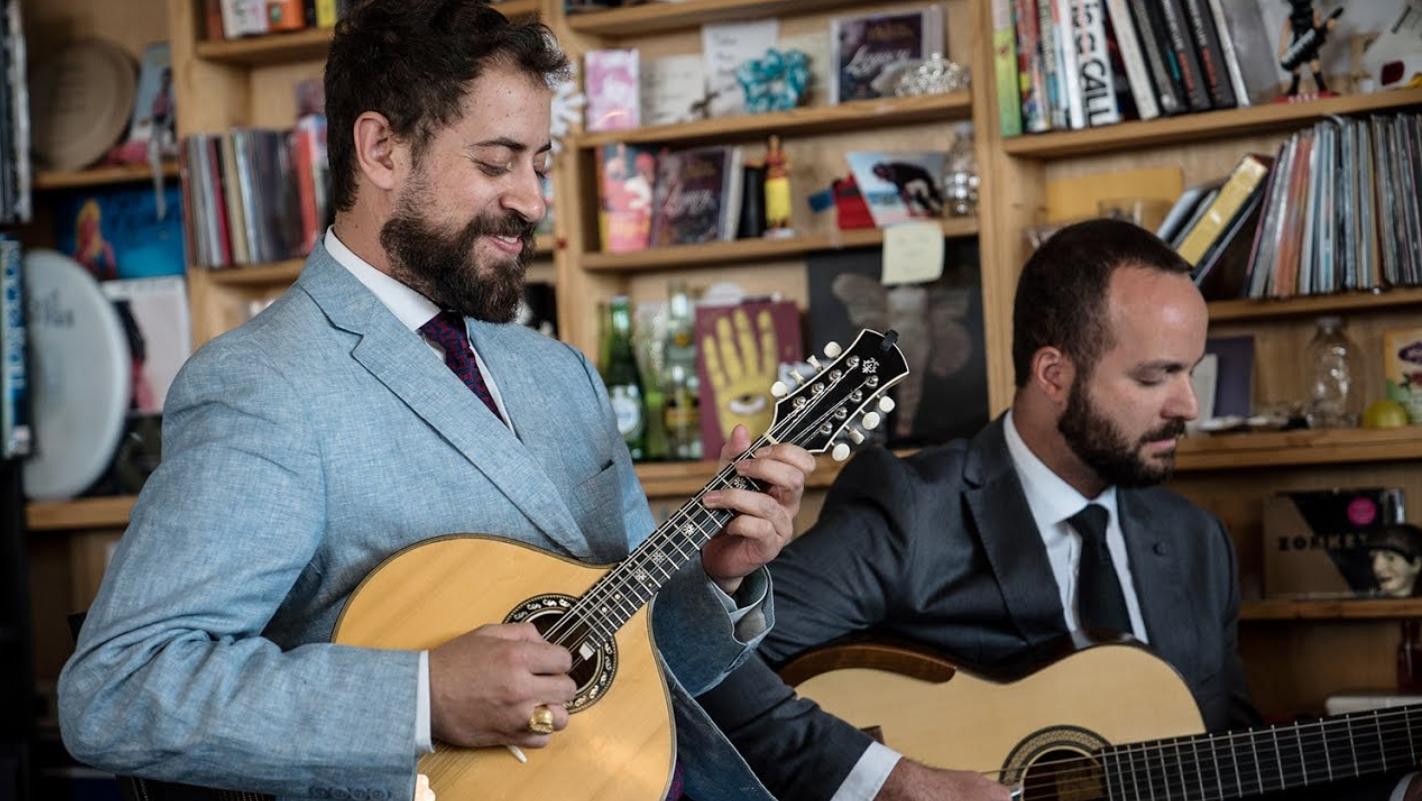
<point x="711" y="498"/>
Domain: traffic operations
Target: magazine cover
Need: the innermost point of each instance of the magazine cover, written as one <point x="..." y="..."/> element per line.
<point x="739" y="351"/>
<point x="154" y="111"/>
<point x="940" y="325"/>
<point x="612" y="89"/>
<point x="116" y="233"/>
<point x="154" y="313"/>
<point x="627" y="175"/>
<point x="697" y="196"/>
<point x="863" y="47"/>
<point x="900" y="187"/>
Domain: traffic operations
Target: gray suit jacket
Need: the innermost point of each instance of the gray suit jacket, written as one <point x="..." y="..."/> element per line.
<point x="299" y="451"/>
<point x="941" y="548"/>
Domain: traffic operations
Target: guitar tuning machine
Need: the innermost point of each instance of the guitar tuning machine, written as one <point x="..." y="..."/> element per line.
<point x="871" y="420"/>
<point x="886" y="404"/>
<point x="832" y="350"/>
<point x="856" y="435"/>
<point x="779" y="389"/>
<point x="840" y="452"/>
<point x="815" y="363"/>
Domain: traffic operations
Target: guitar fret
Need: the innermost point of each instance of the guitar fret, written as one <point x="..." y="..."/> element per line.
<point x="1254" y="750"/>
<point x="1164" y="774"/>
<point x="1382" y="747"/>
<point x="1199" y="775"/>
<point x="1150" y="782"/>
<point x="1106" y="774"/>
<point x="1352" y="746"/>
<point x="1234" y="760"/>
<point x="1279" y="757"/>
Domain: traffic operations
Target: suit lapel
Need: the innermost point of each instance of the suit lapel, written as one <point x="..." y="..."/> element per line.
<point x="398" y="358"/>
<point x="1009" y="537"/>
<point x="1160" y="584"/>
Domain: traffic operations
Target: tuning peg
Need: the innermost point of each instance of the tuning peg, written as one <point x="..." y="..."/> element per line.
<point x="815" y="363"/>
<point x="799" y="377"/>
<point x="855" y="435"/>
<point x="840" y="452"/>
<point x="832" y="350"/>
<point x="871" y="420"/>
<point x="886" y="404"/>
<point x="779" y="390"/>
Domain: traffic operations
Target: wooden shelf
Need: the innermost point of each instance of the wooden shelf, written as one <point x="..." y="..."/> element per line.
<point x="1298" y="448"/>
<point x="744" y="250"/>
<point x="817" y="119"/>
<point x="1202" y="126"/>
<point x="281" y="272"/>
<point x="660" y="17"/>
<point x="1229" y="310"/>
<point x="1370" y="609"/>
<point x="77" y="514"/>
<point x="100" y="176"/>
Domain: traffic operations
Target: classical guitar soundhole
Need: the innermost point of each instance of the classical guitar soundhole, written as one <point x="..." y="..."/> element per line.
<point x="594" y="666"/>
<point x="1056" y="764"/>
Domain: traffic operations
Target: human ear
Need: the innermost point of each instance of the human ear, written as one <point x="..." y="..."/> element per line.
<point x="1053" y="372"/>
<point x="375" y="147"/>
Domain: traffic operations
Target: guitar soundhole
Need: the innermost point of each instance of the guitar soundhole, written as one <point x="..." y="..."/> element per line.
<point x="593" y="667"/>
<point x="1056" y="764"/>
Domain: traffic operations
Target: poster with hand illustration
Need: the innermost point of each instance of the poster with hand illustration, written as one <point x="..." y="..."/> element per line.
<point x="739" y="352"/>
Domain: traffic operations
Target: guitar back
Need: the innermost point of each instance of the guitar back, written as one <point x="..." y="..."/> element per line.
<point x="942" y="715"/>
<point x="618" y="748"/>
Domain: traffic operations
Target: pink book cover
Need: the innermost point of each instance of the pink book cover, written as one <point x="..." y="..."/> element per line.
<point x="739" y="350"/>
<point x="612" y="90"/>
<point x="626" y="178"/>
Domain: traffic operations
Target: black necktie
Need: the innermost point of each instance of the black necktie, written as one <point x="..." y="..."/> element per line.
<point x="1100" y="603"/>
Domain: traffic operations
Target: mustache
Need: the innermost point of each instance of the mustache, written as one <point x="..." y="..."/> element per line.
<point x="1171" y="430"/>
<point x="510" y="225"/>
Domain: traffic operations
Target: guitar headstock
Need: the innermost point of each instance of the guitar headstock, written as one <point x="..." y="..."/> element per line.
<point x="825" y="404"/>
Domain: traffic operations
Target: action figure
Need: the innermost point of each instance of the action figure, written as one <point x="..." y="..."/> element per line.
<point x="777" y="189"/>
<point x="1300" y="41"/>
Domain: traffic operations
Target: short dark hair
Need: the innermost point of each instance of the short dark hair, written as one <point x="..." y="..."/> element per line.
<point x="1061" y="295"/>
<point x="413" y="61"/>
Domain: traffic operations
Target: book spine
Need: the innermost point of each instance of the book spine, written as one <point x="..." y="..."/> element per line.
<point x="1181" y="51"/>
<point x="1137" y="73"/>
<point x="1094" y="73"/>
<point x="15" y="433"/>
<point x="1068" y="57"/>
<point x="1227" y="51"/>
<point x="1055" y="101"/>
<point x="1166" y="86"/>
<point x="1004" y="48"/>
<point x="1241" y="184"/>
<point x="1207" y="45"/>
<point x="1036" y="105"/>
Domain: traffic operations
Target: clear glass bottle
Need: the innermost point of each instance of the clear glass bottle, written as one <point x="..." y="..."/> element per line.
<point x="1332" y="376"/>
<point x="683" y="412"/>
<point x="624" y="386"/>
<point x="961" y="176"/>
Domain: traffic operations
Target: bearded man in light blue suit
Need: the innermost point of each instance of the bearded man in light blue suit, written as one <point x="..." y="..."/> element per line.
<point x="324" y="435"/>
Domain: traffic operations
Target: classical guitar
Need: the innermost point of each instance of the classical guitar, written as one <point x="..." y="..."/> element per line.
<point x="1090" y="719"/>
<point x="620" y="744"/>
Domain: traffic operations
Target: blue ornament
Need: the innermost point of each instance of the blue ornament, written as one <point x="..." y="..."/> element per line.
<point x="774" y="82"/>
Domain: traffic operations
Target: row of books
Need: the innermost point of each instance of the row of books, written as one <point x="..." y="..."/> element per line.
<point x="1070" y="64"/>
<point x="15" y="433"/>
<point x="1338" y="207"/>
<point x="255" y="196"/>
<point x="651" y="196"/>
<point x="233" y="19"/>
<point x="15" y="170"/>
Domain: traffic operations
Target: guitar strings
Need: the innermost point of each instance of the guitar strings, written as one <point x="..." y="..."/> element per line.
<point x="1099" y="766"/>
<point x="605" y="591"/>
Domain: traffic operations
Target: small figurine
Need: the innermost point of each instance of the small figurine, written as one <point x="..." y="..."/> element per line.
<point x="777" y="189"/>
<point x="1301" y="39"/>
<point x="1396" y="554"/>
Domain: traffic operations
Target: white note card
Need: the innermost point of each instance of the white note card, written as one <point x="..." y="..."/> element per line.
<point x="913" y="253"/>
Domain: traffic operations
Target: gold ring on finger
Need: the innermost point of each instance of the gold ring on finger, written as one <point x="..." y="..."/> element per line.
<point x="542" y="720"/>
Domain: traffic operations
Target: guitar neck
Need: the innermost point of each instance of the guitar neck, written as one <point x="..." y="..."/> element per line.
<point x="1256" y="761"/>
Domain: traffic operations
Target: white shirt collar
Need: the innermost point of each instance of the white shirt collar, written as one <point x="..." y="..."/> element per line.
<point x="409" y="307"/>
<point x="1051" y="498"/>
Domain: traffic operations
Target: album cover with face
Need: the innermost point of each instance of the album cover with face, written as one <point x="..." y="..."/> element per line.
<point x="1337" y="544"/>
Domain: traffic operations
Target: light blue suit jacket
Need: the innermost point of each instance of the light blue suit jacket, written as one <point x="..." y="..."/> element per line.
<point x="302" y="449"/>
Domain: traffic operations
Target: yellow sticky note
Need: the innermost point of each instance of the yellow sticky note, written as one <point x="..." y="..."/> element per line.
<point x="913" y="253"/>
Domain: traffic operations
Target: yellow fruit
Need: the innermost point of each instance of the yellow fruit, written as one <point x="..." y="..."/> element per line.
<point x="1385" y="414"/>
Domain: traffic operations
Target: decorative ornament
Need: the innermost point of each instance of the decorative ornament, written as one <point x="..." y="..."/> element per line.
<point x="567" y="109"/>
<point x="934" y="75"/>
<point x="774" y="82"/>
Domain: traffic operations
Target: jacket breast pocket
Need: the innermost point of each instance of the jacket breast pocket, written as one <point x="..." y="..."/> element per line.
<point x="596" y="504"/>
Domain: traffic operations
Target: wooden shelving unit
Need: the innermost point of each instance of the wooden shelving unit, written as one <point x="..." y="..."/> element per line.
<point x="1243" y="309"/>
<point x="820" y="119"/>
<point x="1200" y="127"/>
<point x="49" y="181"/>
<point x="1299" y="448"/>
<point x="662" y="17"/>
<point x="744" y="250"/>
<point x="1370" y="609"/>
<point x="79" y="514"/>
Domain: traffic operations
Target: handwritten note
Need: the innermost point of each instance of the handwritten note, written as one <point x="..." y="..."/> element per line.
<point x="913" y="253"/>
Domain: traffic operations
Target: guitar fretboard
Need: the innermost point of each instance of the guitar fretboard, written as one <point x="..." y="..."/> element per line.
<point x="1263" y="760"/>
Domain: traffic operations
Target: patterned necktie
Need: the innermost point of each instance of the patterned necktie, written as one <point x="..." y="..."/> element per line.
<point x="446" y="330"/>
<point x="1100" y="603"/>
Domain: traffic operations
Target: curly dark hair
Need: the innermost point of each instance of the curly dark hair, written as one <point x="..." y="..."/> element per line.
<point x="413" y="61"/>
<point x="1061" y="295"/>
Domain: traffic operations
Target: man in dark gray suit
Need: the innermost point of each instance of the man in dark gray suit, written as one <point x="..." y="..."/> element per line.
<point x="981" y="548"/>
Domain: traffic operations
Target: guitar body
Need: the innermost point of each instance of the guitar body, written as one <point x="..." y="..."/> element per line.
<point x="930" y="709"/>
<point x="618" y="747"/>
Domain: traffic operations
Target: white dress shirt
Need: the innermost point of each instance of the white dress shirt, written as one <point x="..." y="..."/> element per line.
<point x="1052" y="502"/>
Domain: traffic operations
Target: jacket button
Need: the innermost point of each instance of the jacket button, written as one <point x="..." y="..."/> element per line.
<point x="379" y="794"/>
<point x="320" y="792"/>
<point x="358" y="794"/>
<point x="340" y="794"/>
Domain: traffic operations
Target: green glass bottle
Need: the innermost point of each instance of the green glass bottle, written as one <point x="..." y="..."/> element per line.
<point x="682" y="414"/>
<point x="619" y="373"/>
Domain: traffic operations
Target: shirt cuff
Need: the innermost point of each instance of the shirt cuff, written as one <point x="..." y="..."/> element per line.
<point x="424" y="741"/>
<point x="738" y="607"/>
<point x="869" y="774"/>
<point x="1400" y="791"/>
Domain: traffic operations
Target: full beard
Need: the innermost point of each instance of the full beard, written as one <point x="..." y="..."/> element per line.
<point x="1099" y="444"/>
<point x="443" y="266"/>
